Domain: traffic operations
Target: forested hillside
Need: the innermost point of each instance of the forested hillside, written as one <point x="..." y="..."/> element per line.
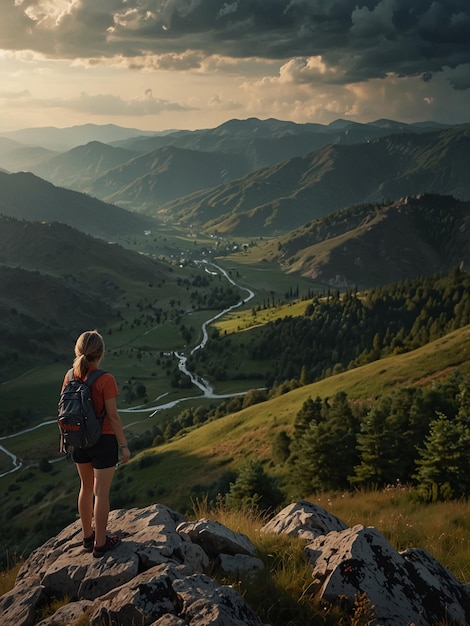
<point x="412" y="436"/>
<point x="26" y="196"/>
<point x="56" y="280"/>
<point x="342" y="330"/>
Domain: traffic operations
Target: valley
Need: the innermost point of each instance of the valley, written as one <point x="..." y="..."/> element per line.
<point x="151" y="408"/>
<point x="227" y="309"/>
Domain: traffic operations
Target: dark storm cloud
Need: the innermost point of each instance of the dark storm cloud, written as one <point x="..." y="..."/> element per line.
<point x="356" y="40"/>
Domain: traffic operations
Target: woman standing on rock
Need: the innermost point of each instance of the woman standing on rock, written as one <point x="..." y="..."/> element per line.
<point x="96" y="465"/>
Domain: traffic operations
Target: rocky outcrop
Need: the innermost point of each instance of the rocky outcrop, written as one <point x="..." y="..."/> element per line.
<point x="402" y="588"/>
<point x="161" y="573"/>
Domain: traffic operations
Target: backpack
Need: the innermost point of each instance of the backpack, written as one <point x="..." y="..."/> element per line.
<point x="79" y="425"/>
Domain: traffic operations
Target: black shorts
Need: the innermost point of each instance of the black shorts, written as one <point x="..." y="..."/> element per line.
<point x="105" y="453"/>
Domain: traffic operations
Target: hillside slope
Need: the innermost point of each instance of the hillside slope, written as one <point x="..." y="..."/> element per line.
<point x="371" y="245"/>
<point x="175" y="163"/>
<point x="77" y="167"/>
<point x="150" y="180"/>
<point x="55" y="280"/>
<point x="26" y="196"/>
<point x="198" y="458"/>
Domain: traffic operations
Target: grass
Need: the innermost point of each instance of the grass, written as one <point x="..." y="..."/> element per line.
<point x="443" y="528"/>
<point x="197" y="458"/>
<point x="243" y="319"/>
<point x="8" y="576"/>
<point x="282" y="594"/>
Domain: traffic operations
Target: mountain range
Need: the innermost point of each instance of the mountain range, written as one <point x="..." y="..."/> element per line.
<point x="248" y="176"/>
<point x="276" y="199"/>
<point x="348" y="203"/>
<point x="60" y="139"/>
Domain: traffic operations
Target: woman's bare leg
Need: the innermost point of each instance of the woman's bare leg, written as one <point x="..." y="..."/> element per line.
<point x="85" y="497"/>
<point x="102" y="486"/>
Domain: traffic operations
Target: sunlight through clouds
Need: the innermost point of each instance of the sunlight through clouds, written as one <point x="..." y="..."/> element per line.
<point x="294" y="59"/>
<point x="48" y="13"/>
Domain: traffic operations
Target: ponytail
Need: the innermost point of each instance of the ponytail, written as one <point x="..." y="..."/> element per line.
<point x="88" y="348"/>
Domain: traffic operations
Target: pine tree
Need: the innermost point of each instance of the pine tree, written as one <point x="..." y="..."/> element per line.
<point x="375" y="446"/>
<point x="444" y="463"/>
<point x="281" y="447"/>
<point x="326" y="452"/>
<point x="254" y="488"/>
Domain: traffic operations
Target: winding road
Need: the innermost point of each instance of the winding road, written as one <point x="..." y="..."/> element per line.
<point x="202" y="384"/>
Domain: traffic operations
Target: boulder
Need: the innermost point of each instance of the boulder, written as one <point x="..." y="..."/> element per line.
<point x="238" y="565"/>
<point x="215" y="538"/>
<point x="157" y="574"/>
<point x="403" y="589"/>
<point x="409" y="587"/>
<point x="305" y="520"/>
<point x="67" y="614"/>
<point x="18" y="606"/>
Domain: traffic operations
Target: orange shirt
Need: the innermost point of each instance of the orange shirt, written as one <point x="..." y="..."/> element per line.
<point x="104" y="388"/>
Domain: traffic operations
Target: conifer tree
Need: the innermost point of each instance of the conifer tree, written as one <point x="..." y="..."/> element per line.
<point x="254" y="488"/>
<point x="444" y="464"/>
<point x="326" y="452"/>
<point x="375" y="446"/>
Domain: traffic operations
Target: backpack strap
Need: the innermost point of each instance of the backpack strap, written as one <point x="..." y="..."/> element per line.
<point x="93" y="377"/>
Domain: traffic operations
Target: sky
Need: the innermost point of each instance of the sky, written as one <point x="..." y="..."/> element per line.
<point x="189" y="64"/>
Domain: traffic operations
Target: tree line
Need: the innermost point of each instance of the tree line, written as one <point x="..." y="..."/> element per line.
<point x="414" y="436"/>
<point x="339" y="331"/>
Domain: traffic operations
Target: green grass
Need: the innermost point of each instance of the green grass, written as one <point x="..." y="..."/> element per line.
<point x="242" y="319"/>
<point x="443" y="528"/>
<point x="201" y="455"/>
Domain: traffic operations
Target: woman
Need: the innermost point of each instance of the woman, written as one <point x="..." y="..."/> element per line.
<point x="96" y="465"/>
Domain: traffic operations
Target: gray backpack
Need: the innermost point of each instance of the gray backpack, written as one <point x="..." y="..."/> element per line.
<point x="79" y="425"/>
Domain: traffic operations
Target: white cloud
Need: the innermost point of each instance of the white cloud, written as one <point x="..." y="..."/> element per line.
<point x="308" y="70"/>
<point x="297" y="59"/>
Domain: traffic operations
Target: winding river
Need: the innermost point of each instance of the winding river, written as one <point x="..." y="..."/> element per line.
<point x="203" y="385"/>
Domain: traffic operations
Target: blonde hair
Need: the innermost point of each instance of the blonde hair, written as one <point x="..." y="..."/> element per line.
<point x="88" y="348"/>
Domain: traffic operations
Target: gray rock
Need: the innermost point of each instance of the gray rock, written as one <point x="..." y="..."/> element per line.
<point x="158" y="576"/>
<point x="206" y="602"/>
<point x="147" y="598"/>
<point x="216" y="538"/>
<point x="360" y="561"/>
<point x="150" y="576"/>
<point x="238" y="565"/>
<point x="18" y="606"/>
<point x="169" y="620"/>
<point x="303" y="519"/>
<point x="67" y="614"/>
<point x="170" y="591"/>
<point x="437" y="587"/>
